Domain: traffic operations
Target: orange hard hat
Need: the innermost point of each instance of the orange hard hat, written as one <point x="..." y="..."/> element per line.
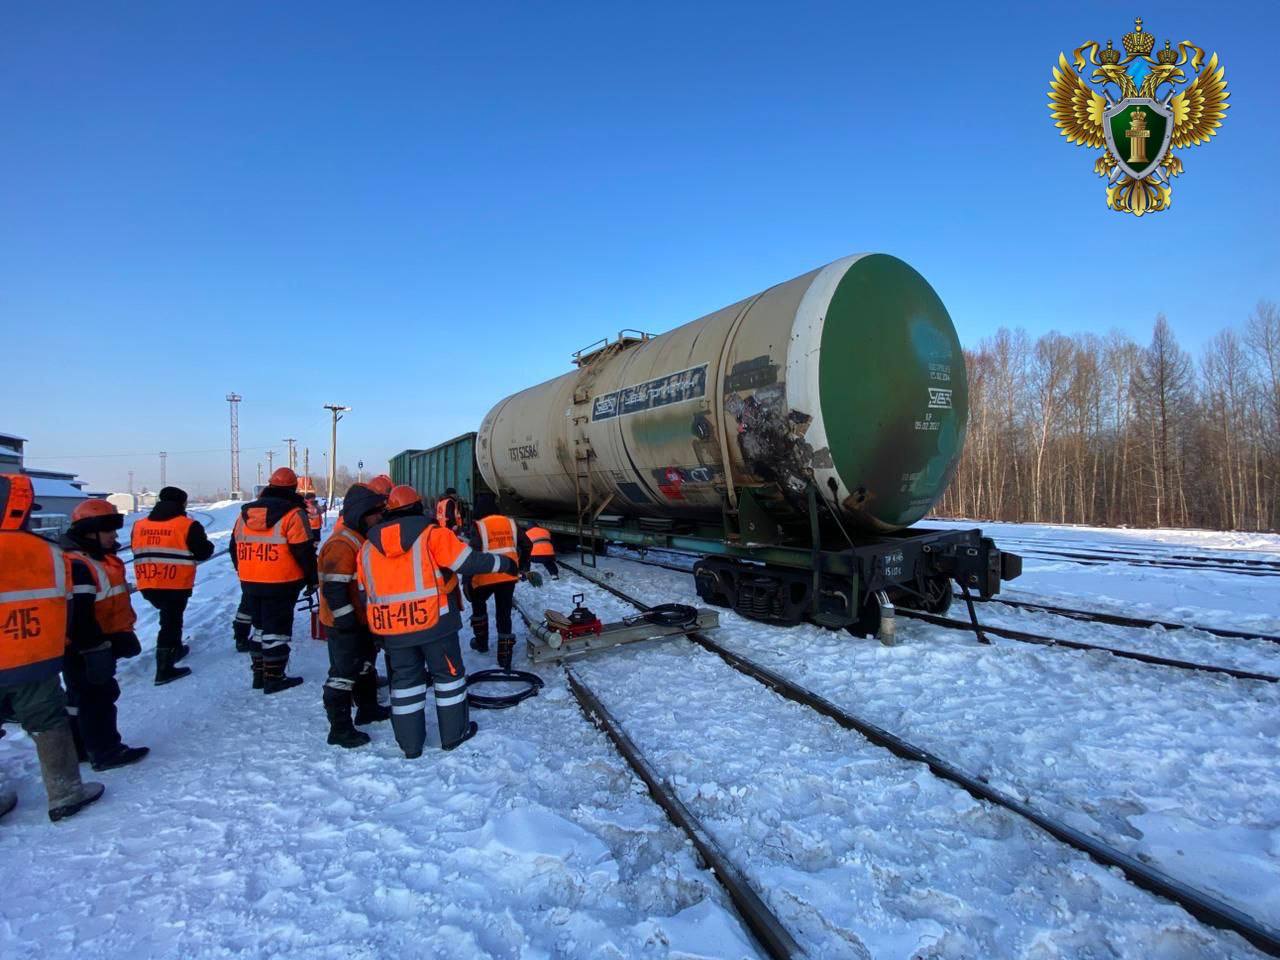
<point x="94" y="515"/>
<point x="402" y="496"/>
<point x="16" y="496"/>
<point x="284" y="477"/>
<point x="380" y="484"/>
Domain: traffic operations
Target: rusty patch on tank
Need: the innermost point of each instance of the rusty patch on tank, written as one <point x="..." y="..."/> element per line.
<point x="771" y="438"/>
<point x="751" y="374"/>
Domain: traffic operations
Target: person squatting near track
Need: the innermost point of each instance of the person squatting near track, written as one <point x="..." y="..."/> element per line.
<point x="403" y="569"/>
<point x="494" y="533"/>
<point x="34" y="585"/>
<point x="167" y="545"/>
<point x="544" y="550"/>
<point x="275" y="557"/>
<point x="342" y="611"/>
<point x="99" y="631"/>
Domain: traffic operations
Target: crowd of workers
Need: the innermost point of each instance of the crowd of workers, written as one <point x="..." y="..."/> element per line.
<point x="390" y="577"/>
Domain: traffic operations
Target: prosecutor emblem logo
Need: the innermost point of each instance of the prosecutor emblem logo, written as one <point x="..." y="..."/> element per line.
<point x="1139" y="109"/>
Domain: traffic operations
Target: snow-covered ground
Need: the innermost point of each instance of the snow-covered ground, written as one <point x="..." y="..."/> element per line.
<point x="245" y="835"/>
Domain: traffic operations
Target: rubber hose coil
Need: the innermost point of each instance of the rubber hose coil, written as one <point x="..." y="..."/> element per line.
<point x="481" y="701"/>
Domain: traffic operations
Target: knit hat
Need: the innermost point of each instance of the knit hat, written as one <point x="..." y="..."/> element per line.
<point x="175" y="494"/>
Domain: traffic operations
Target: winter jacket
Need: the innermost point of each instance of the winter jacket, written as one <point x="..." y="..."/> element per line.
<point x="277" y="503"/>
<point x="197" y="540"/>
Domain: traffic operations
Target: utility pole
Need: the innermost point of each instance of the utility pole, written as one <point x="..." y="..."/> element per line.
<point x="293" y="455"/>
<point x="234" y="399"/>
<point x="163" y="482"/>
<point x="259" y="473"/>
<point x="337" y="410"/>
<point x="306" y="466"/>
<point x="131" y="483"/>
<point x="271" y="462"/>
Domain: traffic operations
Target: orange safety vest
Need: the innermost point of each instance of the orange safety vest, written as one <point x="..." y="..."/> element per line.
<point x="314" y="516"/>
<point x="541" y="540"/>
<point x="262" y="552"/>
<point x="497" y="535"/>
<point x="33" y="608"/>
<point x="442" y="511"/>
<point x="338" y="564"/>
<point x="408" y="593"/>
<point x="110" y="588"/>
<point x="161" y="560"/>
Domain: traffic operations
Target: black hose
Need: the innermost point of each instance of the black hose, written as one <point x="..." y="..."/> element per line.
<point x="672" y="615"/>
<point x="482" y="701"/>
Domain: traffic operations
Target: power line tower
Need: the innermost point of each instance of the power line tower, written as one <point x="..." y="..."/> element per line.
<point x="337" y="410"/>
<point x="293" y="453"/>
<point x="163" y="481"/>
<point x="259" y="473"/>
<point x="306" y="462"/>
<point x="234" y="400"/>
<point x="131" y="483"/>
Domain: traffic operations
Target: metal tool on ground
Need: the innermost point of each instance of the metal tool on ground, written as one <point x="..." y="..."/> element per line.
<point x="563" y="636"/>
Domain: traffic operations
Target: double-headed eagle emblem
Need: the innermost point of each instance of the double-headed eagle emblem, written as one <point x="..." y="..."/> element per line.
<point x="1139" y="113"/>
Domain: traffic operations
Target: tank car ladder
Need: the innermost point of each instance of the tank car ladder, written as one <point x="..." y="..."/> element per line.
<point x="584" y="495"/>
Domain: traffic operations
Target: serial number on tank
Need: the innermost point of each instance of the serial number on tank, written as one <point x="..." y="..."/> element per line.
<point x="893" y="564"/>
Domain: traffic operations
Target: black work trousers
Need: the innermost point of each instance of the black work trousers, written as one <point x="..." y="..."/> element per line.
<point x="172" y="605"/>
<point x="503" y="598"/>
<point x="92" y="708"/>
<point x="548" y="564"/>
<point x="242" y="625"/>
<point x="409" y="666"/>
<point x="351" y="654"/>
<point x="271" y="609"/>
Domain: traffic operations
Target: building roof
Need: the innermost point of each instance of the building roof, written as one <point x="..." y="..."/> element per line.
<point x="45" y="487"/>
<point x="11" y="436"/>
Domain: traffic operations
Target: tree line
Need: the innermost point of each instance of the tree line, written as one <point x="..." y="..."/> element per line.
<point x="1103" y="430"/>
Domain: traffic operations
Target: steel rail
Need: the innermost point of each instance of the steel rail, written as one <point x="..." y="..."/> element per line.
<point x="1044" y="641"/>
<point x="760" y="920"/>
<point x="1203" y="906"/>
<point x="1099" y="616"/>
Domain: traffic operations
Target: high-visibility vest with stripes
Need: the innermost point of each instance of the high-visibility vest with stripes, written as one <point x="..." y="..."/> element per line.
<point x="541" y="540"/>
<point x="338" y="563"/>
<point x="111" y="606"/>
<point x="407" y="593"/>
<point x="262" y="552"/>
<point x="497" y="535"/>
<point x="161" y="560"/>
<point x="442" y="512"/>
<point x="33" y="608"/>
<point x="314" y="517"/>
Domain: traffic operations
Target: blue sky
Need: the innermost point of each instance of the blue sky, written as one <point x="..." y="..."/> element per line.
<point x="416" y="209"/>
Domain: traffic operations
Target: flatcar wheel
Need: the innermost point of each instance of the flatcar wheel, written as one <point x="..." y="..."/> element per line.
<point x="937" y="594"/>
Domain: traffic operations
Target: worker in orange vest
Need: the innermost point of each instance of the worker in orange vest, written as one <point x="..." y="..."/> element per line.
<point x="34" y="589"/>
<point x="493" y="532"/>
<point x="342" y="611"/>
<point x="167" y="545"/>
<point x="275" y="557"/>
<point x="543" y="550"/>
<point x="100" y="631"/>
<point x="315" y="519"/>
<point x="402" y="568"/>
<point x="449" y="510"/>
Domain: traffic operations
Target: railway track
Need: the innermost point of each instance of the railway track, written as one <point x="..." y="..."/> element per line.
<point x="1089" y="556"/>
<point x="1043" y="640"/>
<point x="1203" y="906"/>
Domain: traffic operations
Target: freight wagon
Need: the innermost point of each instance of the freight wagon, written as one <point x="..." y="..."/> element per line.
<point x="790" y="440"/>
<point x="433" y="471"/>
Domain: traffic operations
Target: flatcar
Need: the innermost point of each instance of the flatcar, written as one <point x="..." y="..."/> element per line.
<point x="790" y="440"/>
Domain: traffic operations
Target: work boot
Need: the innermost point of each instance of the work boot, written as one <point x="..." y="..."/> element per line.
<point x="480" y="634"/>
<point x="472" y="728"/>
<point x="181" y="652"/>
<point x="68" y="794"/>
<point x="122" y="756"/>
<point x="506" y="647"/>
<point x="337" y="705"/>
<point x="8" y="800"/>
<point x="255" y="663"/>
<point x="368" y="709"/>
<point x="273" y="678"/>
<point x="166" y="672"/>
